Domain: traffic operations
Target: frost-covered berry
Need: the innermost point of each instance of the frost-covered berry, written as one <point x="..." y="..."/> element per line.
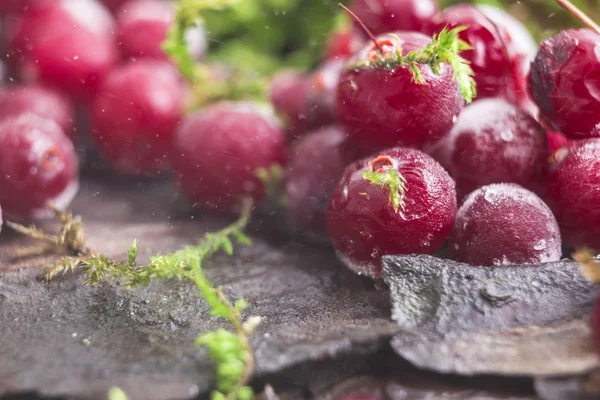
<point x="504" y="224"/>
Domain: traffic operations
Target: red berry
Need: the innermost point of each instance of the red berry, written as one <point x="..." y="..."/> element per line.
<point x="382" y="108"/>
<point x="557" y="141"/>
<point x="315" y="167"/>
<point x="503" y="224"/>
<point x="565" y="80"/>
<point x="67" y="44"/>
<point x="142" y="28"/>
<point x="322" y="100"/>
<point x="493" y="142"/>
<point x="38" y="166"/>
<point x="218" y="150"/>
<point x="490" y="57"/>
<point x="135" y="115"/>
<point x="383" y="16"/>
<point x="39" y="100"/>
<point x="342" y="45"/>
<point x="399" y="202"/>
<point x="14" y="6"/>
<point x="289" y="96"/>
<point x="573" y="195"/>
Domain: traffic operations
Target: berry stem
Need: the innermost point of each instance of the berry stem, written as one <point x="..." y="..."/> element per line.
<point x="363" y="27"/>
<point x="580" y="15"/>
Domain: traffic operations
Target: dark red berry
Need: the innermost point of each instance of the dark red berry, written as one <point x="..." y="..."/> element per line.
<point x="217" y="152"/>
<point x="382" y="108"/>
<point x="67" y="44"/>
<point x="399" y="202"/>
<point x="342" y="45"/>
<point x="322" y="100"/>
<point x="565" y="82"/>
<point x="1" y="221"/>
<point x="503" y="224"/>
<point x="383" y="16"/>
<point x="142" y="28"/>
<point x="14" y="6"/>
<point x="493" y="141"/>
<point x="38" y="166"/>
<point x="135" y="115"/>
<point x="314" y="170"/>
<point x="289" y="96"/>
<point x="490" y="57"/>
<point x="573" y="195"/>
<point x="20" y="99"/>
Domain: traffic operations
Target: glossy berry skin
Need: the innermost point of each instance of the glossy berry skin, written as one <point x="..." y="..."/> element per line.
<point x="363" y="224"/>
<point x="383" y="16"/>
<point x="557" y="141"/>
<point x="342" y="44"/>
<point x="217" y="151"/>
<point x="322" y="100"/>
<point x="289" y="95"/>
<point x="565" y="82"/>
<point x="313" y="172"/>
<point x="503" y="224"/>
<point x="572" y="193"/>
<point x="113" y="5"/>
<point x="38" y="166"/>
<point x="135" y="115"/>
<point x="142" y="27"/>
<point x="380" y="108"/>
<point x="490" y="57"/>
<point x="21" y="99"/>
<point x="66" y="44"/>
<point x="493" y="141"/>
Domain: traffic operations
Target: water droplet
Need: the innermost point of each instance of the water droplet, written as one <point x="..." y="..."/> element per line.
<point x="535" y="284"/>
<point x="375" y="252"/>
<point x="541" y="245"/>
<point x="366" y="234"/>
<point x="454" y="119"/>
<point x="507" y="136"/>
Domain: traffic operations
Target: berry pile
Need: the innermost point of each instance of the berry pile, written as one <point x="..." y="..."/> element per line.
<point x="421" y="126"/>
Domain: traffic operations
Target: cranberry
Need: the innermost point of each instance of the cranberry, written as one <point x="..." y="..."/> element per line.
<point x="342" y="45"/>
<point x="493" y="142"/>
<point x="143" y="25"/>
<point x="382" y="108"/>
<point x="67" y="44"/>
<point x="572" y="193"/>
<point x="315" y="167"/>
<point x="135" y="115"/>
<point x="38" y="166"/>
<point x="383" y="16"/>
<point x="218" y="150"/>
<point x="503" y="224"/>
<point x="490" y="58"/>
<point x="39" y="100"/>
<point x="289" y="96"/>
<point x="399" y="202"/>
<point x="565" y="80"/>
<point x="322" y="100"/>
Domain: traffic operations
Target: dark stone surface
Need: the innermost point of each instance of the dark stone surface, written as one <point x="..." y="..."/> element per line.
<point x="66" y="339"/>
<point x="529" y="320"/>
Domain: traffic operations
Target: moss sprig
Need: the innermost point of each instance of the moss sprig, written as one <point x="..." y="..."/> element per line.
<point x="393" y="182"/>
<point x="445" y="47"/>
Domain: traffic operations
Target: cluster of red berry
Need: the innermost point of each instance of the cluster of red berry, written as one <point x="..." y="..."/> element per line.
<point x="379" y="144"/>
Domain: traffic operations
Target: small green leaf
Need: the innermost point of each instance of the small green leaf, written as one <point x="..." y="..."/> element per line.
<point x="241" y="304"/>
<point x="132" y="253"/>
<point x="227" y="246"/>
<point x="393" y="182"/>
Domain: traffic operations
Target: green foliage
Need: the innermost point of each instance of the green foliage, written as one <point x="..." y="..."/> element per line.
<point x="445" y="47"/>
<point x="393" y="182"/>
<point x="132" y="254"/>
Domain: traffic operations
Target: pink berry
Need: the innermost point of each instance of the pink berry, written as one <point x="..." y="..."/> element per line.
<point x="490" y="58"/>
<point x="289" y="96"/>
<point x="38" y="166"/>
<point x="342" y="45"/>
<point x="572" y="193"/>
<point x="20" y="99"/>
<point x="565" y="82"/>
<point x="135" y="115"/>
<point x="142" y="27"/>
<point x="314" y="170"/>
<point x="382" y="108"/>
<point x="217" y="152"/>
<point x="383" y="16"/>
<point x="322" y="99"/>
<point x="493" y="142"/>
<point x="399" y="202"/>
<point x="67" y="44"/>
<point x="504" y="224"/>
